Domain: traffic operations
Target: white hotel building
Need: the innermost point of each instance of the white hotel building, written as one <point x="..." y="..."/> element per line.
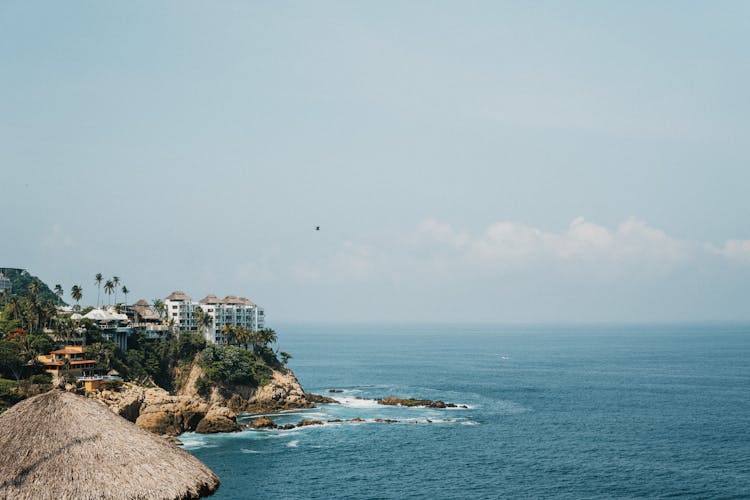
<point x="230" y="310"/>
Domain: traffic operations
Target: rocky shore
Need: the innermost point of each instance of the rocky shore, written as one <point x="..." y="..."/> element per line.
<point x="158" y="411"/>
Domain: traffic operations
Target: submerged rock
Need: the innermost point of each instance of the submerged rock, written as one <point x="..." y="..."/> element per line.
<point x="286" y="427"/>
<point x="335" y="390"/>
<point x="356" y="419"/>
<point x="334" y="420"/>
<point x="386" y="420"/>
<point x="415" y="402"/>
<point x="305" y="423"/>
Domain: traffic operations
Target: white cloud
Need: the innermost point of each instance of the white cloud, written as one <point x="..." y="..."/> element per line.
<point x="736" y="250"/>
<point x="510" y="245"/>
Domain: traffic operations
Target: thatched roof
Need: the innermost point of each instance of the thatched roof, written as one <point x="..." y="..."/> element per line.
<point x="247" y="302"/>
<point x="177" y="295"/>
<point x="64" y="446"/>
<point x="210" y="299"/>
<point x="145" y="310"/>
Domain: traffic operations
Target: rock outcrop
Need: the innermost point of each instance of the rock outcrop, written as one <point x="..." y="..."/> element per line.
<point x="316" y="398"/>
<point x="417" y="402"/>
<point x="263" y="423"/>
<point x="160" y="412"/>
<point x="218" y="419"/>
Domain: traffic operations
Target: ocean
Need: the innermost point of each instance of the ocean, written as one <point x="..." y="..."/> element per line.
<point x="601" y="411"/>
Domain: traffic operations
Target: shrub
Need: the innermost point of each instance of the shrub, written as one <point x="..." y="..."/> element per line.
<point x="231" y="365"/>
<point x="41" y="378"/>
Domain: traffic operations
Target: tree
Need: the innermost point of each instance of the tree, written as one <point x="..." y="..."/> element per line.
<point x="267" y="336"/>
<point x="203" y="320"/>
<point x="98" y="280"/>
<point x="243" y="336"/>
<point x="285" y="357"/>
<point x="11" y="360"/>
<point x="115" y="284"/>
<point x="109" y="287"/>
<point x="77" y="293"/>
<point x="59" y="291"/>
<point x="125" y="292"/>
<point x="159" y="307"/>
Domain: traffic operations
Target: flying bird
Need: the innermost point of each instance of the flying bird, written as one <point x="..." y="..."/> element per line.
<point x="317" y="228"/>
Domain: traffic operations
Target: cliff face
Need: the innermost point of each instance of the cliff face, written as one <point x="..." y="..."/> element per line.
<point x="158" y="411"/>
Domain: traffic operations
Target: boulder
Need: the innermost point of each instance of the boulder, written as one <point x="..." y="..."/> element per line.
<point x="317" y="398"/>
<point x="305" y="423"/>
<point x="218" y="419"/>
<point x="263" y="423"/>
<point x="165" y="414"/>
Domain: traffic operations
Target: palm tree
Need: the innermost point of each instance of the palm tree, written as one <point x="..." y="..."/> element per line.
<point x="268" y="336"/>
<point x="109" y="287"/>
<point x="115" y="283"/>
<point x="125" y="292"/>
<point x="159" y="307"/>
<point x="230" y="332"/>
<point x="203" y="320"/>
<point x="59" y="292"/>
<point x="98" y="280"/>
<point x="285" y="357"/>
<point x="243" y="336"/>
<point x="77" y="293"/>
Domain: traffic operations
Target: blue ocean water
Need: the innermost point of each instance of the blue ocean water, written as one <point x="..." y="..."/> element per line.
<point x="554" y="412"/>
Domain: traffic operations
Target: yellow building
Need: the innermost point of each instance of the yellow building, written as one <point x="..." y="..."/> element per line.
<point x="69" y="361"/>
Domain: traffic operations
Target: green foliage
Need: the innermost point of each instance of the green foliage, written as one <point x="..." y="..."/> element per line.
<point x="285" y="357"/>
<point x="188" y="345"/>
<point x="8" y="392"/>
<point x="231" y="365"/>
<point x="11" y="359"/>
<point x="21" y="282"/>
<point x="41" y="378"/>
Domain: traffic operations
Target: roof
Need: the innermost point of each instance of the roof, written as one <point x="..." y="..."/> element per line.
<point x="247" y="302"/>
<point x="145" y="310"/>
<point x="105" y="315"/>
<point x="177" y="295"/>
<point x="210" y="299"/>
<point x="70" y="349"/>
<point x="67" y="446"/>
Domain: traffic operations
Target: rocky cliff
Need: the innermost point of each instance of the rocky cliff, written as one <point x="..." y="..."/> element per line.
<point x="158" y="411"/>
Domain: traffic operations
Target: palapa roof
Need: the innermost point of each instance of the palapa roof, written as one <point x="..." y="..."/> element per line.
<point x="145" y="310"/>
<point x="64" y="446"/>
<point x="177" y="295"/>
<point x="247" y="302"/>
<point x="210" y="299"/>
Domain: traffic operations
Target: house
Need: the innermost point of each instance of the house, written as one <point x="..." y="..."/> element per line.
<point x="112" y="325"/>
<point x="68" y="361"/>
<point x="144" y="319"/>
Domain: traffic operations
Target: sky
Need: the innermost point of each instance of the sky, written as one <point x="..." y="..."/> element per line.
<point x="466" y="162"/>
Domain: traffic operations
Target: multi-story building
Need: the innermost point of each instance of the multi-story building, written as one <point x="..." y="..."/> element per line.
<point x="5" y="284"/>
<point x="231" y="310"/>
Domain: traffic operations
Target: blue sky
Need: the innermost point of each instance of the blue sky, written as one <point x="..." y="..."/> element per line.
<point x="466" y="161"/>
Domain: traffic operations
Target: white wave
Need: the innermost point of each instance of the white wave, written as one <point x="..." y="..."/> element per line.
<point x="245" y="450"/>
<point x="468" y="422"/>
<point x="190" y="442"/>
<point x="293" y="444"/>
<point x="357" y="402"/>
<point x="281" y="433"/>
